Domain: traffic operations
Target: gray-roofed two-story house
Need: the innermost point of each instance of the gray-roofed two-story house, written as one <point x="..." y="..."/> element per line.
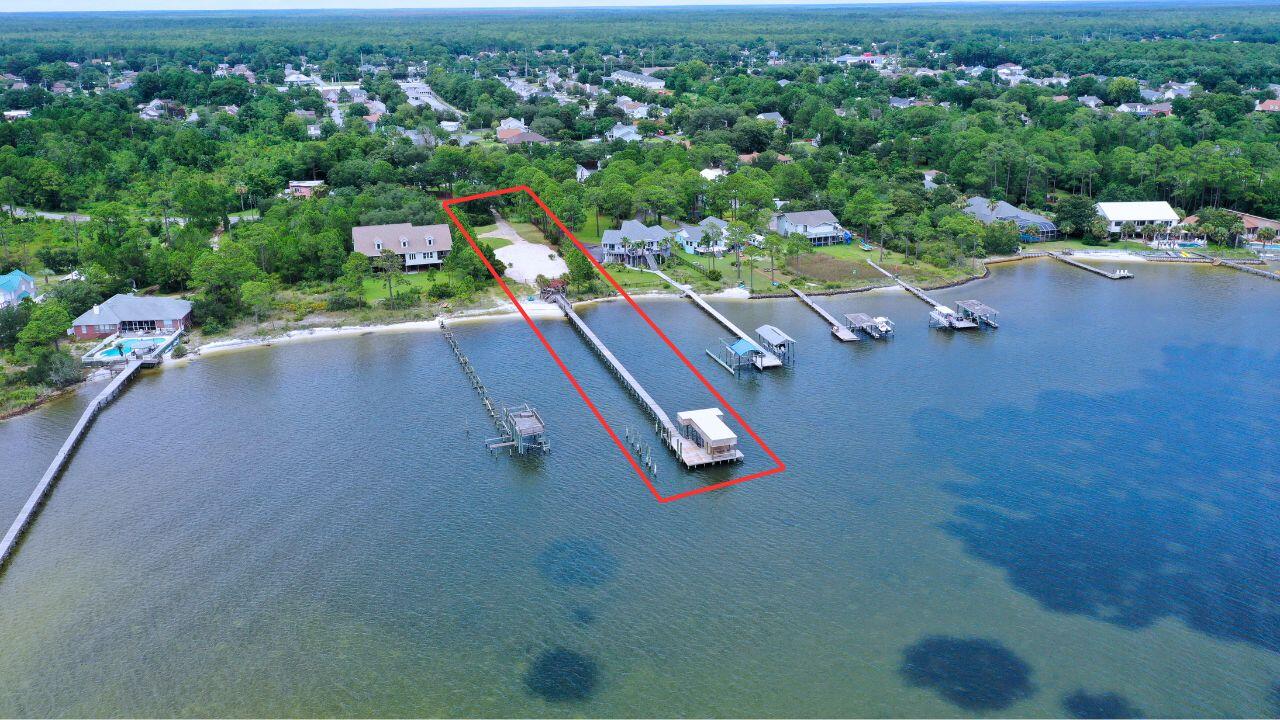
<point x="420" y="246"/>
<point x="636" y="244"/>
<point x="1032" y="226"/>
<point x="820" y="227"/>
<point x="691" y="237"/>
<point x="132" y="314"/>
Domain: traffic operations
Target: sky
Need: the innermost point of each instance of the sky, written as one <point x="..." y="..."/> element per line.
<point x="100" y="5"/>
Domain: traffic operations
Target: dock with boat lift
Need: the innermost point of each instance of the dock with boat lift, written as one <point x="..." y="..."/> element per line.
<point x="972" y="315"/>
<point x="690" y="448"/>
<point x="521" y="429"/>
<point x="1117" y="274"/>
<point x="877" y="328"/>
<point x="763" y="361"/>
<point x="842" y="333"/>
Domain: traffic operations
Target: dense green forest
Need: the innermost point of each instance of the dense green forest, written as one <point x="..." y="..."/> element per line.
<point x="191" y="203"/>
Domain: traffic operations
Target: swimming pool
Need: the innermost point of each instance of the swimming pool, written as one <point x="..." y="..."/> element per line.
<point x="128" y="345"/>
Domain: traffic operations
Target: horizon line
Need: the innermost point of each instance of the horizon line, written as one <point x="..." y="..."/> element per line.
<point x="322" y="6"/>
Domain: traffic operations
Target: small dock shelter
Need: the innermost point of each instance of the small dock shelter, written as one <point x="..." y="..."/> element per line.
<point x="877" y="328"/>
<point x="739" y="354"/>
<point x="978" y="312"/>
<point x="711" y="440"/>
<point x="945" y="318"/>
<point x="779" y="343"/>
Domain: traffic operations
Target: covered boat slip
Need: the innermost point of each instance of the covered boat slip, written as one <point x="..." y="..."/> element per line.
<point x="710" y="440"/>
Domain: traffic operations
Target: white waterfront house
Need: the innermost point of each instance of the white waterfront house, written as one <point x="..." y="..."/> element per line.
<point x="1140" y="214"/>
<point x="820" y="227"/>
<point x="691" y="237"/>
<point x="420" y="247"/>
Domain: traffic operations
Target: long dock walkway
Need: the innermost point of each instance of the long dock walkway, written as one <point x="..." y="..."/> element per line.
<point x="629" y="381"/>
<point x="51" y="475"/>
<point x="1245" y="268"/>
<point x="767" y="361"/>
<point x="1115" y="275"/>
<point x="906" y="285"/>
<point x="839" y="330"/>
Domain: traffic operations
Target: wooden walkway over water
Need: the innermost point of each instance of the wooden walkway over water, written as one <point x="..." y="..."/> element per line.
<point x="768" y="359"/>
<point x="906" y="286"/>
<point x="1245" y="268"/>
<point x="651" y="406"/>
<point x="840" y="331"/>
<point x="51" y="475"/>
<point x="1114" y="275"/>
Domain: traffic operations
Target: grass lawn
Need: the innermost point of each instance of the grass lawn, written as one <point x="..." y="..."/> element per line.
<point x="1228" y="252"/>
<point x="1055" y="245"/>
<point x="479" y="230"/>
<point x="375" y="288"/>
<point x="492" y="242"/>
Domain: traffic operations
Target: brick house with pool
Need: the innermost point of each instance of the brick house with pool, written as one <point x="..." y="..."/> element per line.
<point x="132" y="314"/>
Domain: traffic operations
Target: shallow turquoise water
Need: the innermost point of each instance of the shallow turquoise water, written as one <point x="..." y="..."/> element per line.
<point x="1026" y="522"/>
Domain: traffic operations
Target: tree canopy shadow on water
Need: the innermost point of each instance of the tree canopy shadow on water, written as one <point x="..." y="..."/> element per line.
<point x="562" y="675"/>
<point x="1160" y="501"/>
<point x="577" y="562"/>
<point x="1083" y="705"/>
<point x="972" y="673"/>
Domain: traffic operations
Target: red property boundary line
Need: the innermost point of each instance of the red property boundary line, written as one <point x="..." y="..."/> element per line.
<point x="779" y="466"/>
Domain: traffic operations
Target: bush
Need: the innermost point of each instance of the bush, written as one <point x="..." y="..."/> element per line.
<point x="56" y="368"/>
<point x="403" y="300"/>
<point x="179" y="351"/>
<point x="59" y="259"/>
<point x="343" y="300"/>
<point x="714" y="275"/>
<point x="442" y="290"/>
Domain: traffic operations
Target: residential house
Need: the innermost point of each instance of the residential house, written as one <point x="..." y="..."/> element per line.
<point x="1139" y="214"/>
<point x="626" y="133"/>
<point x="420" y="247"/>
<point x="632" y="108"/>
<point x="11" y="115"/>
<point x="510" y="127"/>
<point x="820" y="227"/>
<point x="751" y="157"/>
<point x="1090" y="101"/>
<point x="637" y="80"/>
<point x="304" y="188"/>
<point x="14" y="286"/>
<point x="157" y="109"/>
<point x="1033" y="227"/>
<point x="1252" y="224"/>
<point x="900" y="103"/>
<point x="293" y="77"/>
<point x="930" y="181"/>
<point x="585" y="170"/>
<point x="691" y="237"/>
<point x="636" y="244"/>
<point x="866" y="58"/>
<point x="773" y="117"/>
<point x="1264" y="106"/>
<point x="526" y="138"/>
<point x="132" y="314"/>
<point x="712" y="174"/>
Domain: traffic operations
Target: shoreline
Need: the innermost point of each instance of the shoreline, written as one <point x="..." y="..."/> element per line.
<point x="502" y="311"/>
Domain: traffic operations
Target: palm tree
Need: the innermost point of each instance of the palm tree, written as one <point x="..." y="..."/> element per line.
<point x="1266" y="235"/>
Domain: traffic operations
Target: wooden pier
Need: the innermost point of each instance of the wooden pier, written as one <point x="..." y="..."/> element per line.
<point x="51" y="475"/>
<point x="687" y="451"/>
<point x="972" y="315"/>
<point x="842" y="333"/>
<point x="1114" y="275"/>
<point x="766" y="360"/>
<point x="1245" y="268"/>
<point x="521" y="429"/>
